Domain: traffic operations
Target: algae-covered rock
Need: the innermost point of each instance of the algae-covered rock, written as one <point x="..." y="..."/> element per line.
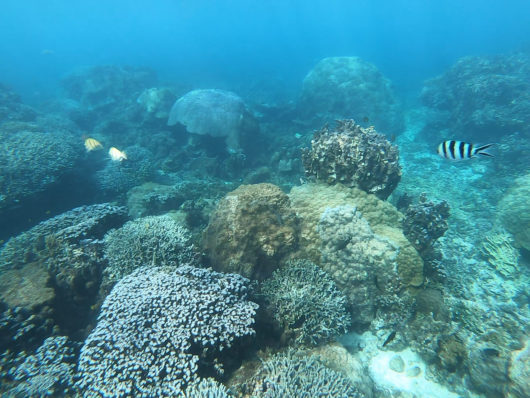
<point x="349" y="87"/>
<point x="251" y="230"/>
<point x="216" y="113"/>
<point x="514" y="211"/>
<point x="26" y="287"/>
<point x="519" y="372"/>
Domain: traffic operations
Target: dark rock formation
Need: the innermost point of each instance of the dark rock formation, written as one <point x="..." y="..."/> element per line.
<point x="354" y="156"/>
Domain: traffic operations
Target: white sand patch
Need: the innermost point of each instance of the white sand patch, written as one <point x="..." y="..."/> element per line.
<point x="388" y="379"/>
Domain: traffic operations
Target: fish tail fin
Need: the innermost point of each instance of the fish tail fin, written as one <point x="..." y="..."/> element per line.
<point x="480" y="150"/>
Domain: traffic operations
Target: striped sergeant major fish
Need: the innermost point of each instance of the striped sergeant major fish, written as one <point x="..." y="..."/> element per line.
<point x="458" y="150"/>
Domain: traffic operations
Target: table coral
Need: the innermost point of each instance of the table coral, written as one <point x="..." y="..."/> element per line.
<point x="159" y="326"/>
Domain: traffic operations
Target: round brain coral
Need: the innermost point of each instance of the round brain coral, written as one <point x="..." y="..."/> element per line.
<point x="251" y="230"/>
<point x="354" y="156"/>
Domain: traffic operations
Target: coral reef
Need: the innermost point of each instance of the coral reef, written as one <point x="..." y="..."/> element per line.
<point x="349" y="87"/>
<point x="100" y="87"/>
<point x="29" y="159"/>
<point x="47" y="373"/>
<point x="158" y="328"/>
<point x="119" y="177"/>
<point x="61" y="259"/>
<point x="362" y="263"/>
<point x="294" y="375"/>
<point x="311" y="201"/>
<point x="12" y="108"/>
<point x="215" y="113"/>
<point x="482" y="98"/>
<point x="152" y="240"/>
<point x="26" y="316"/>
<point x="353" y="156"/>
<point x="251" y="230"/>
<point x="305" y="301"/>
<point x="79" y="226"/>
<point x="206" y="388"/>
<point x="498" y="248"/>
<point x="357" y="239"/>
<point x="424" y="223"/>
<point x="514" y="211"/>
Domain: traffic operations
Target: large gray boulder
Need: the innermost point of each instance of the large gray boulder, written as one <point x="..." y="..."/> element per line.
<point x="216" y="113"/>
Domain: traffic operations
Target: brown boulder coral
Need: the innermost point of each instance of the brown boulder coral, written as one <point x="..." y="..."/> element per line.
<point x="251" y="230"/>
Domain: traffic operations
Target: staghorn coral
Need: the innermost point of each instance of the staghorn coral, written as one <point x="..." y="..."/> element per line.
<point x="251" y="230"/>
<point x="305" y="301"/>
<point x="158" y="327"/>
<point x="47" y="373"/>
<point x="294" y="375"/>
<point x="152" y="240"/>
<point x="206" y="388"/>
<point x="349" y="87"/>
<point x="499" y="250"/>
<point x="353" y="156"/>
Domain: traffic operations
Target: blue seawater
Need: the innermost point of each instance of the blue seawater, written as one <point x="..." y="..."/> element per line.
<point x="253" y="136"/>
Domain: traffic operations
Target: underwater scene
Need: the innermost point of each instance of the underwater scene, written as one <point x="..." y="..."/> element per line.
<point x="248" y="198"/>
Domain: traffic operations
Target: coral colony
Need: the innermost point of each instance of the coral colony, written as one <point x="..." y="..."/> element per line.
<point x="238" y="247"/>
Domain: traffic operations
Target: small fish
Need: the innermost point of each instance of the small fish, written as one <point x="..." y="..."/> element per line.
<point x="458" y="150"/>
<point x="91" y="144"/>
<point x="117" y="155"/>
<point x="390" y="338"/>
<point x="366" y="119"/>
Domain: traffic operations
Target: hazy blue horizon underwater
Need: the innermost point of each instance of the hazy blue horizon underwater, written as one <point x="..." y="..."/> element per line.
<point x="244" y="198"/>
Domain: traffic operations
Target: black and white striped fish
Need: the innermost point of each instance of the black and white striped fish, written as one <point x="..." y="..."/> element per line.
<point x="458" y="150"/>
